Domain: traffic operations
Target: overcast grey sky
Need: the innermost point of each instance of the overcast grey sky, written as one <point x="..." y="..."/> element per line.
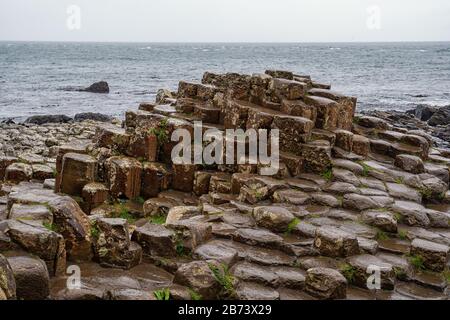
<point x="227" y="20"/>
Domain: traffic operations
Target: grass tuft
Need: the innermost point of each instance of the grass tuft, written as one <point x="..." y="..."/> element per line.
<point x="160" y="132"/>
<point x="51" y="226"/>
<point x="95" y="232"/>
<point x="382" y="236"/>
<point x="162" y="294"/>
<point x="348" y="272"/>
<point x="224" y="278"/>
<point x="292" y="225"/>
<point x="195" y="296"/>
<point x="402" y="234"/>
<point x="328" y="174"/>
<point x="160" y="219"/>
<point x="417" y="262"/>
<point x="366" y="168"/>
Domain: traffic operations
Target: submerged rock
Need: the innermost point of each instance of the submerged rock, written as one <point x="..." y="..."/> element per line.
<point x="92" y="116"/>
<point x="40" y="120"/>
<point x="97" y="87"/>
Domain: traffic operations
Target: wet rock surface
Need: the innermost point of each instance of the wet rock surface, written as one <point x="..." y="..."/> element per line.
<point x="354" y="196"/>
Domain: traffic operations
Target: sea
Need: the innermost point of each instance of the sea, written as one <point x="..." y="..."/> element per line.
<point x="34" y="76"/>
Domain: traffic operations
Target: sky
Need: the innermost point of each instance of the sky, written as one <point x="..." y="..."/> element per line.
<point x="225" y="20"/>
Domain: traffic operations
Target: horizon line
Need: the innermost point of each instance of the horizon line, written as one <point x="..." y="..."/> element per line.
<point x="230" y="42"/>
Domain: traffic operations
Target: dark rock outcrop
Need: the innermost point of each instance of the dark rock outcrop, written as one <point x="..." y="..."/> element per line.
<point x="39" y="120"/>
<point x="441" y="117"/>
<point x="423" y="112"/>
<point x="98" y="87"/>
<point x="92" y="116"/>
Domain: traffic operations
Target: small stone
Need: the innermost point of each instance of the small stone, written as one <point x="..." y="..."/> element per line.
<point x="359" y="202"/>
<point x="198" y="276"/>
<point x="156" y="240"/>
<point x="412" y="213"/>
<point x="344" y="140"/>
<point x="365" y="265"/>
<point x="215" y="250"/>
<point x="254" y="291"/>
<point x="361" y="145"/>
<point x="295" y="197"/>
<point x="124" y="177"/>
<point x="325" y="283"/>
<point x="182" y="213"/>
<point x="8" y="283"/>
<point x="42" y="172"/>
<point x="77" y="171"/>
<point x="434" y="255"/>
<point x="274" y="218"/>
<point x="31" y="212"/>
<point x="409" y="163"/>
<point x="113" y="247"/>
<point x="94" y="194"/>
<point x="46" y="244"/>
<point x="403" y="192"/>
<point x="18" y="172"/>
<point x="333" y="242"/>
<point x="32" y="278"/>
<point x="384" y="220"/>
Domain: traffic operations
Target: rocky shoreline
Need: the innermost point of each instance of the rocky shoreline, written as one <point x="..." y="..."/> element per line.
<point x="353" y="192"/>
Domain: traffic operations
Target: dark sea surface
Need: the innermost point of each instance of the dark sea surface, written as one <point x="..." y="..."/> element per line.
<point x="382" y="75"/>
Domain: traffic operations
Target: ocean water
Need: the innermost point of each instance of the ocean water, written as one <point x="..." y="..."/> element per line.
<point x="382" y="75"/>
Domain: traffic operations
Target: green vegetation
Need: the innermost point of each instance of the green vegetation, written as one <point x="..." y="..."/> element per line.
<point x="446" y="275"/>
<point x="382" y="236"/>
<point x="124" y="213"/>
<point x="163" y="294"/>
<point x="328" y="174"/>
<point x="160" y="132"/>
<point x="292" y="225"/>
<point x="224" y="278"/>
<point x="399" y="273"/>
<point x="417" y="262"/>
<point x="161" y="219"/>
<point x="51" y="226"/>
<point x="366" y="168"/>
<point x="399" y="180"/>
<point x="140" y="200"/>
<point x="402" y="234"/>
<point x="398" y="217"/>
<point x="95" y="232"/>
<point x="426" y="193"/>
<point x="180" y="248"/>
<point x="259" y="195"/>
<point x="194" y="295"/>
<point x="348" y="272"/>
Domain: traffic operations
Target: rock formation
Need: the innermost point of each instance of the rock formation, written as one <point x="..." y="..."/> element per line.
<point x="353" y="195"/>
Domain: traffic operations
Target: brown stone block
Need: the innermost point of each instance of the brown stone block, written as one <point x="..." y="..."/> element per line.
<point x="77" y="171"/>
<point x="124" y="177"/>
<point x="94" y="194"/>
<point x="183" y="177"/>
<point x="327" y="111"/>
<point x="299" y="109"/>
<point x="156" y="177"/>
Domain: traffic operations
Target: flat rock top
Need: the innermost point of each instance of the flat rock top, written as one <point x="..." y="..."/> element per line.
<point x="155" y="230"/>
<point x="79" y="157"/>
<point x="366" y="260"/>
<point x="429" y="246"/>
